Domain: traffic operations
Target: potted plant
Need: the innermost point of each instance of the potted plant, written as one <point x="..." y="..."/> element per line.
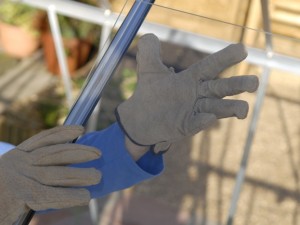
<point x="80" y="38"/>
<point x="19" y="28"/>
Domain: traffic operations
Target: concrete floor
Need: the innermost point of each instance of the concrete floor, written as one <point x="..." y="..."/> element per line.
<point x="23" y="79"/>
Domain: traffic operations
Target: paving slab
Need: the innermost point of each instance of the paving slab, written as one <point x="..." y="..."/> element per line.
<point x="23" y="81"/>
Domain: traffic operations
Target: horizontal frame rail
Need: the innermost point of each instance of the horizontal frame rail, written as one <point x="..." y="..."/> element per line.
<point x="196" y="41"/>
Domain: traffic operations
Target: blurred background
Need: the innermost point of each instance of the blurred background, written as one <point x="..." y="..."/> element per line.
<point x="37" y="90"/>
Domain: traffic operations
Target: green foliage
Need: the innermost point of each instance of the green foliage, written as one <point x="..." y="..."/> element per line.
<point x="18" y="14"/>
<point x="51" y="108"/>
<point x="49" y="113"/>
<point x="73" y="28"/>
<point x="129" y="82"/>
<point x="79" y="82"/>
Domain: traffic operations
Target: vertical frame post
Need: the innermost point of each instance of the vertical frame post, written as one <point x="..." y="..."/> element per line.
<point x="61" y="57"/>
<point x="256" y="111"/>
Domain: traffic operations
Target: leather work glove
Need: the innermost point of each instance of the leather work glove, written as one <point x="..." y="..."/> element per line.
<point x="168" y="106"/>
<point x="35" y="174"/>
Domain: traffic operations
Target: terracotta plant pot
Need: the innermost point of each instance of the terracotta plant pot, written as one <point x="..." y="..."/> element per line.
<point x="77" y="53"/>
<point x="18" y="42"/>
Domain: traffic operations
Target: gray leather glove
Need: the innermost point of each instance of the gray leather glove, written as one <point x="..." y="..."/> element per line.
<point x="168" y="106"/>
<point x="34" y="175"/>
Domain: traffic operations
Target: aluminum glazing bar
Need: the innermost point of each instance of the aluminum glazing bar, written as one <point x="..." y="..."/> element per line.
<point x="102" y="72"/>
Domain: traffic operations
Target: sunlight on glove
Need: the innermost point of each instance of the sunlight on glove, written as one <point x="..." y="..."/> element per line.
<point x="168" y="106"/>
<point x="35" y="174"/>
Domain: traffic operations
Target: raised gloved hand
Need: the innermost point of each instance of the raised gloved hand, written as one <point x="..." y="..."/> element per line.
<point x="34" y="175"/>
<point x="168" y="106"/>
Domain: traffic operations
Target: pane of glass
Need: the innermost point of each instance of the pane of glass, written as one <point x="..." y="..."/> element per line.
<point x="199" y="177"/>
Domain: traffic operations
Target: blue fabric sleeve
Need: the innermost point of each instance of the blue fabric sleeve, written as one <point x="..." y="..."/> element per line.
<point x="5" y="147"/>
<point x="119" y="170"/>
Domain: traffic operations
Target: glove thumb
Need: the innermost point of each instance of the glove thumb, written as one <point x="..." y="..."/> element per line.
<point x="148" y="56"/>
<point x="56" y="135"/>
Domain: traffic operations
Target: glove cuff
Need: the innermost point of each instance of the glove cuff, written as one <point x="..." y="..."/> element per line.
<point x="159" y="148"/>
<point x="118" y="118"/>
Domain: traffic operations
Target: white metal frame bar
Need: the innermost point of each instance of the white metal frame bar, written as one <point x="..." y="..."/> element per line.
<point x="61" y="57"/>
<point x="256" y="112"/>
<point x="196" y="41"/>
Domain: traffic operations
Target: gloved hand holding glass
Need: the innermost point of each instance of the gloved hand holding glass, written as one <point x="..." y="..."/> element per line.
<point x="168" y="106"/>
<point x="35" y="174"/>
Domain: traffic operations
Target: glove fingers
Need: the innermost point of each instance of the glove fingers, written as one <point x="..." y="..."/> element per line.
<point x="64" y="154"/>
<point x="148" y="57"/>
<point x="227" y="86"/>
<point x="45" y="197"/>
<point x="211" y="66"/>
<point x="199" y="121"/>
<point x="57" y="135"/>
<point x="65" y="176"/>
<point x="223" y="108"/>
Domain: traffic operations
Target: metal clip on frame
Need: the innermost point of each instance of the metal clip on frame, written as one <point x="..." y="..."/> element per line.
<point x="102" y="72"/>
